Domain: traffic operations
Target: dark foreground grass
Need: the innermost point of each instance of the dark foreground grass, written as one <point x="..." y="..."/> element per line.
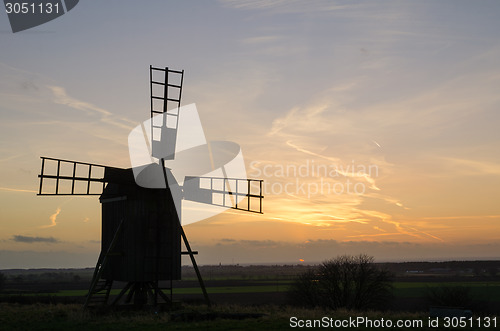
<point x="190" y="317"/>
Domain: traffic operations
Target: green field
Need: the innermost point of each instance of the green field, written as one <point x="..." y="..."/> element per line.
<point x="481" y="290"/>
<point x="245" y="298"/>
<point x="191" y="290"/>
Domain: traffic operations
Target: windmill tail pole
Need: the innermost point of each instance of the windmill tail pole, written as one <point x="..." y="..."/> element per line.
<point x="193" y="260"/>
<point x="186" y="242"/>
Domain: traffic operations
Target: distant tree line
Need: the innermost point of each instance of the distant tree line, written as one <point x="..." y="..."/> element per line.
<point x="45" y="277"/>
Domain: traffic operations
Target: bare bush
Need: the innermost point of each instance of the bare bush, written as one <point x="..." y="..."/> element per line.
<point x="3" y="279"/>
<point x="351" y="282"/>
<point x="451" y="296"/>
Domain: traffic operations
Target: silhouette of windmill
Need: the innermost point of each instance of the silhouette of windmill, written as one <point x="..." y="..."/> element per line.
<point x="173" y="169"/>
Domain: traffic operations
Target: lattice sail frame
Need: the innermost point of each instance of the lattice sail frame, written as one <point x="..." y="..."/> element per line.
<point x="64" y="177"/>
<point x="225" y="192"/>
<point x="166" y="92"/>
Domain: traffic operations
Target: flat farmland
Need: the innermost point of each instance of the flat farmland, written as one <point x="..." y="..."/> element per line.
<point x="250" y="285"/>
<point x="243" y="298"/>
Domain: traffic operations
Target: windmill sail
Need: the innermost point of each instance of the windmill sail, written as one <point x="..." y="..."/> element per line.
<point x="65" y="177"/>
<point x="225" y="192"/>
<point x="166" y="92"/>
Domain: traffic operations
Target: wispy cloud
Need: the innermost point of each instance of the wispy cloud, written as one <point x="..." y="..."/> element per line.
<point x="31" y="240"/>
<point x="61" y="97"/>
<point x="285" y="6"/>
<point x="33" y="96"/>
<point x="53" y="219"/>
<point x="473" y="167"/>
<point x="317" y="250"/>
<point x="388" y="199"/>
<point x="460" y="217"/>
<point x="17" y="190"/>
<point x="260" y="40"/>
<point x="344" y="172"/>
<point x="12" y="157"/>
<point x="306" y="151"/>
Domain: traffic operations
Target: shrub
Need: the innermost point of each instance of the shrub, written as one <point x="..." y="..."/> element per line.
<point x="451" y="296"/>
<point x="3" y="279"/>
<point x="350" y="282"/>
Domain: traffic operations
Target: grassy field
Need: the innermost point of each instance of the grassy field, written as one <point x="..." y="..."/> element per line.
<point x="222" y="317"/>
<point x="245" y="298"/>
<point x="485" y="290"/>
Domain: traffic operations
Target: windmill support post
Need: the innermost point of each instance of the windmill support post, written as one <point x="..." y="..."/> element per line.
<point x="195" y="266"/>
<point x="186" y="242"/>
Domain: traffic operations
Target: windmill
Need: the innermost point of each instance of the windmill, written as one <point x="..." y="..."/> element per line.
<point x="177" y="178"/>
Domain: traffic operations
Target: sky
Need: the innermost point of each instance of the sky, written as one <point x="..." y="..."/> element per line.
<point x="374" y="124"/>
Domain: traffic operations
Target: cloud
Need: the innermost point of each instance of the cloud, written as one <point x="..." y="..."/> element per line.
<point x="260" y="243"/>
<point x="460" y="217"/>
<point x="227" y="240"/>
<point x="16" y="190"/>
<point x="31" y="240"/>
<point x="61" y="97"/>
<point x="53" y="218"/>
<point x="305" y="151"/>
<point x="24" y="91"/>
<point x="12" y="157"/>
<point x="348" y="172"/>
<point x="260" y="40"/>
<point x="42" y="259"/>
<point x="472" y="167"/>
<point x="285" y="6"/>
<point x="315" y="251"/>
